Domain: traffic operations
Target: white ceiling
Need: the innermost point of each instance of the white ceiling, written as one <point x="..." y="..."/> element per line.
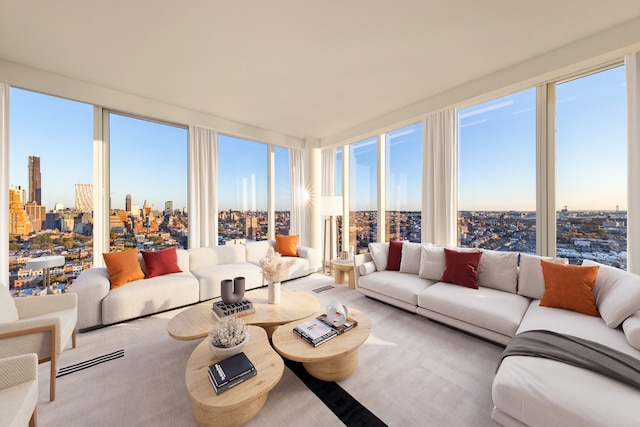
<point x="302" y="68"/>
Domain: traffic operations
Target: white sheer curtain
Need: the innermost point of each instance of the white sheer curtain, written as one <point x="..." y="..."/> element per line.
<point x="632" y="66"/>
<point x="4" y="183"/>
<point x="328" y="171"/>
<point x="203" y="186"/>
<point x="439" y="206"/>
<point x="296" y="171"/>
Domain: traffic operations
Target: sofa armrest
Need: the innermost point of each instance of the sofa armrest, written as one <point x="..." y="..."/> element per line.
<point x="91" y="286"/>
<point x="18" y="370"/>
<point x="358" y="260"/>
<point x="312" y="255"/>
<point x="36" y="306"/>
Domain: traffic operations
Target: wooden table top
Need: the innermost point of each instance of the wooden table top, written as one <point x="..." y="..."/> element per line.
<point x="268" y="363"/>
<point x="196" y="321"/>
<point x="291" y="346"/>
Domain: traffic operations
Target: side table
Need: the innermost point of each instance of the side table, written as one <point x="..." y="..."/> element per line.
<point x="341" y="269"/>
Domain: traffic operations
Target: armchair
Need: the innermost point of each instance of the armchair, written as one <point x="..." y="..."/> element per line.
<point x="41" y="325"/>
<point x="19" y="390"/>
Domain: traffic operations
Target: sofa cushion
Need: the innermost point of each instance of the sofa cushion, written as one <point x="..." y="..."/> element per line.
<point x="123" y="267"/>
<point x="367" y="268"/>
<point x="410" y="261"/>
<point x="569" y="287"/>
<point x="216" y="255"/>
<point x="158" y="263"/>
<point x="287" y="245"/>
<point x="530" y="279"/>
<point x="395" y="255"/>
<point x="487" y="308"/>
<point x="498" y="270"/>
<point x="380" y="254"/>
<point x="431" y="262"/>
<point x="631" y="328"/>
<point x="617" y="293"/>
<point x="210" y="277"/>
<point x="8" y="310"/>
<point x="401" y="286"/>
<point x="461" y="268"/>
<point x="257" y="250"/>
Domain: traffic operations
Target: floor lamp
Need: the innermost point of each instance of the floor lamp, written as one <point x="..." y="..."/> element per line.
<point x="330" y="207"/>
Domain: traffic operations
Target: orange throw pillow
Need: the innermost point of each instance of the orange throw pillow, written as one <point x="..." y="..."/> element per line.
<point x="569" y="287"/>
<point x="123" y="267"/>
<point x="287" y="245"/>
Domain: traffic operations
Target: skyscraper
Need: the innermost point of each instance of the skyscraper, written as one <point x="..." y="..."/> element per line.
<point x="35" y="180"/>
<point x="127" y="203"/>
<point x="168" y="207"/>
<point x="84" y="197"/>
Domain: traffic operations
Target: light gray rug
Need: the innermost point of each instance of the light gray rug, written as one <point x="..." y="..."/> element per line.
<point x="411" y="372"/>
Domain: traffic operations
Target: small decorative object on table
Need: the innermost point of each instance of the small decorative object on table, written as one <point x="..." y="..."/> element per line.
<point x="232" y="290"/>
<point x="228" y="337"/>
<point x="274" y="270"/>
<point x="220" y="309"/>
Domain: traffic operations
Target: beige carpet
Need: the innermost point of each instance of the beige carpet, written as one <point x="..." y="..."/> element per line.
<point x="411" y="372"/>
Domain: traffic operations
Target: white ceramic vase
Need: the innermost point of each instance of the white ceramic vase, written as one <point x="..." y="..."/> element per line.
<point x="224" y="352"/>
<point x="274" y="293"/>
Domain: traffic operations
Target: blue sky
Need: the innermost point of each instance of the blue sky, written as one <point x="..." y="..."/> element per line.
<point x="496" y="169"/>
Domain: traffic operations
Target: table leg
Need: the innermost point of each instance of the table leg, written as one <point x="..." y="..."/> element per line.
<point x="335" y="369"/>
<point x="339" y="276"/>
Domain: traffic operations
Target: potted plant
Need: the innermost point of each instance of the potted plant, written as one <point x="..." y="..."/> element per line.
<point x="274" y="270"/>
<point x="228" y="337"/>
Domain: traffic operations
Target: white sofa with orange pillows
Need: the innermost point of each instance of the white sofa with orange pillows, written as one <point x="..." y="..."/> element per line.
<point x="572" y="333"/>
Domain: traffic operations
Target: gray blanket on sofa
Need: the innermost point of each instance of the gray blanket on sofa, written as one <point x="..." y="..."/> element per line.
<point x="577" y="352"/>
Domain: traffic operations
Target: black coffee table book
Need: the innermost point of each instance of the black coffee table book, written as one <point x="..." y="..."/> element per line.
<point x="230" y="372"/>
<point x="221" y="309"/>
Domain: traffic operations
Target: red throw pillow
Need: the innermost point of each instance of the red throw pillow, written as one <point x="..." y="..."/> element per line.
<point x="161" y="262"/>
<point x="569" y="287"/>
<point x="395" y="255"/>
<point x="461" y="268"/>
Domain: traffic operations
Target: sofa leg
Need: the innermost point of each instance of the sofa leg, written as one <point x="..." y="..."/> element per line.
<point x="73" y="339"/>
<point x="52" y="380"/>
<point x="33" y="422"/>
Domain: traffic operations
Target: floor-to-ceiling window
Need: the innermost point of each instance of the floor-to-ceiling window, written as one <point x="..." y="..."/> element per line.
<point x="148" y="184"/>
<point x="282" y="191"/>
<point x="50" y="197"/>
<point x="363" y="198"/>
<point x="591" y="168"/>
<point x="403" y="174"/>
<point x="242" y="189"/>
<point x="497" y="174"/>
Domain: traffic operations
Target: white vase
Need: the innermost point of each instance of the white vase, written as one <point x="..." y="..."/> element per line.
<point x="274" y="293"/>
<point x="224" y="352"/>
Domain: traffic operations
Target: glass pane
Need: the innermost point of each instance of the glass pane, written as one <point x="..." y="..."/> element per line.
<point x="50" y="203"/>
<point x="497" y="174"/>
<point x="148" y="184"/>
<point x="403" y="150"/>
<point x="283" y="191"/>
<point x="591" y="168"/>
<point x="242" y="189"/>
<point x="338" y="192"/>
<point x="363" y="202"/>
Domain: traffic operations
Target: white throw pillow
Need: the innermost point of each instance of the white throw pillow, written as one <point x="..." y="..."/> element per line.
<point x="431" y="262"/>
<point x="367" y="268"/>
<point x="8" y="310"/>
<point x="410" y="261"/>
<point x="498" y="270"/>
<point x="631" y="328"/>
<point x="380" y="254"/>
<point x="617" y="293"/>
<point x="530" y="278"/>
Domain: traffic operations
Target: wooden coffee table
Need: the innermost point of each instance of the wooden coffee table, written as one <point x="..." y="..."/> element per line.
<point x="334" y="360"/>
<point x="196" y="321"/>
<point x="238" y="405"/>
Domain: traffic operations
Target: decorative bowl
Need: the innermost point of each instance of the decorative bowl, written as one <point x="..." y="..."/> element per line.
<point x="224" y="352"/>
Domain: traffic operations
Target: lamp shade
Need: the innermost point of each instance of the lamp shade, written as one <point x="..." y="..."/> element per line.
<point x="330" y="205"/>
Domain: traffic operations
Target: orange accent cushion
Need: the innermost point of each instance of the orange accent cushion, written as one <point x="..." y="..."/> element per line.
<point x="123" y="267"/>
<point x="287" y="245"/>
<point x="569" y="287"/>
<point x="161" y="262"/>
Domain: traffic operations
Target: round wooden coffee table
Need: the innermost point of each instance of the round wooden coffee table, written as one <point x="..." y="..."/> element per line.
<point x="333" y="360"/>
<point x="238" y="405"/>
<point x="196" y="321"/>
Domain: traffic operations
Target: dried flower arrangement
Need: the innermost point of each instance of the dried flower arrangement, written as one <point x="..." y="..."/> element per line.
<point x="229" y="332"/>
<point x="273" y="269"/>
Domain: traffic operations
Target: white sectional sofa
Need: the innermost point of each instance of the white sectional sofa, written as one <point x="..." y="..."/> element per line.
<point x="527" y="389"/>
<point x="202" y="271"/>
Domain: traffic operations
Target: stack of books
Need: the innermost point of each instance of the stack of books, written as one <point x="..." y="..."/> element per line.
<point x="315" y="332"/>
<point x="221" y="309"/>
<point x="230" y="372"/>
